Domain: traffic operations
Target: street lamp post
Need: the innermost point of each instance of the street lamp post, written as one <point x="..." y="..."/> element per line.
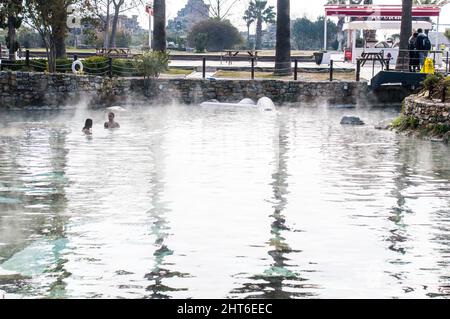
<point x="149" y="10"/>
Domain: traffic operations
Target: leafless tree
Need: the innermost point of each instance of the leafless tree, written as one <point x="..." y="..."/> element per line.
<point x="220" y="9"/>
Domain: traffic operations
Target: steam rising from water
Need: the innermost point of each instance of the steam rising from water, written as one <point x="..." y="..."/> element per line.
<point x="287" y="204"/>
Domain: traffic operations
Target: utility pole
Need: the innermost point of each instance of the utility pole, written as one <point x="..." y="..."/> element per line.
<point x="149" y="10"/>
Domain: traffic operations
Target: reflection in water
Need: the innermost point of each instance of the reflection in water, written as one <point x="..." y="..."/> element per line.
<point x="38" y="166"/>
<point x="180" y="202"/>
<point x="160" y="230"/>
<point x="279" y="281"/>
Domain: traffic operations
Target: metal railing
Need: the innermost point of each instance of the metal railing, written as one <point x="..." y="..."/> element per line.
<point x="413" y="60"/>
<point x="119" y="67"/>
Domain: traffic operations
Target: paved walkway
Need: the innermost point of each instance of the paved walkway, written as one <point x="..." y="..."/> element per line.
<point x="367" y="72"/>
<point x="245" y="64"/>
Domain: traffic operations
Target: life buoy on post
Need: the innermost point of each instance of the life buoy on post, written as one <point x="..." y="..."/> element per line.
<point x="74" y="67"/>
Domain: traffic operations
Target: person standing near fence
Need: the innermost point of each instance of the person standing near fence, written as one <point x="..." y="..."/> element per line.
<point x="414" y="60"/>
<point x="423" y="46"/>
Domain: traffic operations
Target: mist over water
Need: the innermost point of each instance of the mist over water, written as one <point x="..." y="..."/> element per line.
<point x="197" y="202"/>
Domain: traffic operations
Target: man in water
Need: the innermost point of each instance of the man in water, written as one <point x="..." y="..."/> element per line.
<point x="111" y="124"/>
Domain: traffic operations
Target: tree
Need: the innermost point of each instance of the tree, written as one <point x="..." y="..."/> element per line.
<point x="117" y="5"/>
<point x="49" y="19"/>
<point x="308" y="35"/>
<point x="221" y="35"/>
<point x="56" y="15"/>
<point x="432" y="2"/>
<point x="220" y="9"/>
<point x="370" y="35"/>
<point x="159" y="26"/>
<point x="11" y="19"/>
<point x="201" y="40"/>
<point x="249" y="20"/>
<point x="283" y="49"/>
<point x="405" y="34"/>
<point x="123" y="39"/>
<point x="340" y="24"/>
<point x="260" y="13"/>
<point x="100" y="11"/>
<point x="29" y="38"/>
<point x="152" y="64"/>
<point x="107" y="12"/>
<point x="59" y="25"/>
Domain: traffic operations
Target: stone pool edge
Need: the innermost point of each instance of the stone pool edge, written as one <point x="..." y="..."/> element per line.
<point x="22" y="90"/>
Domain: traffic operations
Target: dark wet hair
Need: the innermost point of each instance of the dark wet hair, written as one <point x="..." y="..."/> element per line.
<point x="419" y="30"/>
<point x="88" y="124"/>
<point x="111" y="113"/>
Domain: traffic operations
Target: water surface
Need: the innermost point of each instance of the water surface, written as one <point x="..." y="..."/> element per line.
<point x="192" y="202"/>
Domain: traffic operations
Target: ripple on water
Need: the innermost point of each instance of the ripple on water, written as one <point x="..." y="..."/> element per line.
<point x="286" y="205"/>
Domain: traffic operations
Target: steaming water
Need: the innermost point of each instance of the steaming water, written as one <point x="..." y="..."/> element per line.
<point x="221" y="203"/>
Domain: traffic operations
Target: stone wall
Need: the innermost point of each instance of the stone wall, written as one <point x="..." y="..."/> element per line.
<point x="428" y="112"/>
<point x="21" y="90"/>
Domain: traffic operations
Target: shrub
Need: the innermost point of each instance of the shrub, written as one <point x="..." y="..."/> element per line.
<point x="220" y="35"/>
<point x="447" y="87"/>
<point x="440" y="129"/>
<point x="97" y="65"/>
<point x="201" y="40"/>
<point x="13" y="65"/>
<point x="152" y="64"/>
<point x="432" y="82"/>
<point x="403" y="123"/>
<point x="63" y="65"/>
<point x="124" y="67"/>
<point x="39" y="65"/>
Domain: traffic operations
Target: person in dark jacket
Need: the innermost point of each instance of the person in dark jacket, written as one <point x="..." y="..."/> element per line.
<point x="414" y="61"/>
<point x="423" y="46"/>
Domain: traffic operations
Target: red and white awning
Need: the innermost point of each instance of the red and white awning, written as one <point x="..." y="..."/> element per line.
<point x="385" y="25"/>
<point x="380" y="11"/>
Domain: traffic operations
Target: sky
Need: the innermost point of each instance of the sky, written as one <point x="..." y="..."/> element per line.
<point x="299" y="8"/>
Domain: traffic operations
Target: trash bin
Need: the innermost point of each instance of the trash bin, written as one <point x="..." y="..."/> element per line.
<point x="348" y="55"/>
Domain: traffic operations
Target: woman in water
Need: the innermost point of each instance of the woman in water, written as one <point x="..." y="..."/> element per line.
<point x="87" y="129"/>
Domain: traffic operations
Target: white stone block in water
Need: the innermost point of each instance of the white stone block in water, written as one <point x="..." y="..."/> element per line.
<point x="247" y="102"/>
<point x="116" y="109"/>
<point x="266" y="104"/>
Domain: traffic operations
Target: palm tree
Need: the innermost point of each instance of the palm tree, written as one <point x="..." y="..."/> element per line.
<point x="340" y="24"/>
<point x="11" y="19"/>
<point x="249" y="20"/>
<point x="260" y="13"/>
<point x="283" y="50"/>
<point x="432" y="2"/>
<point x="159" y="25"/>
<point x="370" y="35"/>
<point x="405" y="34"/>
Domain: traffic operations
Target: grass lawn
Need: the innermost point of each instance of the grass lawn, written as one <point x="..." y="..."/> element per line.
<point x="294" y="53"/>
<point x="303" y="76"/>
<point x="261" y="53"/>
<point x="178" y="72"/>
<point x="69" y="50"/>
